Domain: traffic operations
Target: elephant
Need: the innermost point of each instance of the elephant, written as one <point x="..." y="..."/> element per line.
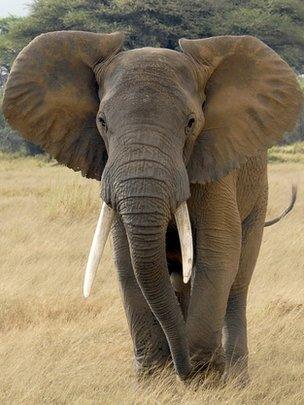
<point x="178" y="140"/>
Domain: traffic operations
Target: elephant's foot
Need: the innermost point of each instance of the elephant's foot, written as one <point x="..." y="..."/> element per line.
<point x="206" y="362"/>
<point x="147" y="367"/>
<point x="236" y="372"/>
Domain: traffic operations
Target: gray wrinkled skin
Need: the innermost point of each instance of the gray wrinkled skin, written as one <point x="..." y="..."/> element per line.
<point x="144" y="181"/>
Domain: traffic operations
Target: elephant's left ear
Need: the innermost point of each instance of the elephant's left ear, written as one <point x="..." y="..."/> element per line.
<point x="252" y="98"/>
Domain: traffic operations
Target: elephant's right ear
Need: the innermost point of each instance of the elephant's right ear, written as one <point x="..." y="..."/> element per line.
<point x="252" y="98"/>
<point x="51" y="96"/>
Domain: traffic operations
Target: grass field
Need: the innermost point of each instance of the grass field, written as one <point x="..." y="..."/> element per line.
<point x="55" y="348"/>
<point x="293" y="153"/>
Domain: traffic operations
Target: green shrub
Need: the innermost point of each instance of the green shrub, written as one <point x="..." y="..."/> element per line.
<point x="287" y="153"/>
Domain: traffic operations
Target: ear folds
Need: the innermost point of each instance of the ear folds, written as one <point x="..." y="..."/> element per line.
<point x="252" y="98"/>
<point x="51" y="96"/>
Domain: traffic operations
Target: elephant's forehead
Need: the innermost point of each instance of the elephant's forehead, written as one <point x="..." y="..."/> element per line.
<point x="152" y="62"/>
<point x="155" y="55"/>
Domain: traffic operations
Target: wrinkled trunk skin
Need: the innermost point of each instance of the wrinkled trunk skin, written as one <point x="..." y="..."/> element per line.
<point x="150" y="344"/>
<point x="147" y="246"/>
<point x="144" y="182"/>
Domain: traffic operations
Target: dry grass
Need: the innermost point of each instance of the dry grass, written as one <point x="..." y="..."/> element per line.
<point x="287" y="154"/>
<point x="56" y="348"/>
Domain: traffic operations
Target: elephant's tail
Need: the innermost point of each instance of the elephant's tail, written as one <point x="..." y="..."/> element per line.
<point x="294" y="192"/>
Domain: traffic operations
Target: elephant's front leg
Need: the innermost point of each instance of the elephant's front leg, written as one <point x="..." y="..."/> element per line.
<point x="235" y="328"/>
<point x="218" y="242"/>
<point x="150" y="345"/>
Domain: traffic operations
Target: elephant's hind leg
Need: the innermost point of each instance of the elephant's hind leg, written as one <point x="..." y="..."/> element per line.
<point x="150" y="344"/>
<point x="235" y="325"/>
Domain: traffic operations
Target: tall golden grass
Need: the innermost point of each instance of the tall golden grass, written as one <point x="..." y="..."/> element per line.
<point x="56" y="348"/>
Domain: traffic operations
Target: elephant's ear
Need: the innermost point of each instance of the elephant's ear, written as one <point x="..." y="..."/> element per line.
<point x="252" y="98"/>
<point x="51" y="96"/>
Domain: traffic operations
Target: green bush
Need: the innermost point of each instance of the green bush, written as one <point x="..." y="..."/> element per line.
<point x="287" y="153"/>
<point x="11" y="142"/>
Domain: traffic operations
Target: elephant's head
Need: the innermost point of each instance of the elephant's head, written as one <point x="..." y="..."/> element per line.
<point x="147" y="123"/>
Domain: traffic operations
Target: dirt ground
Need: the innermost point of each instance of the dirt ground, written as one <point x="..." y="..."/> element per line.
<point x="56" y="348"/>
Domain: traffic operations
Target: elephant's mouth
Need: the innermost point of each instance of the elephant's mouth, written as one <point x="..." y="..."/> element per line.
<point x="175" y="267"/>
<point x="179" y="249"/>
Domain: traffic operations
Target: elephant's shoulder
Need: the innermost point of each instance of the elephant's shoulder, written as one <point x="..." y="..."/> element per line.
<point x="254" y="168"/>
<point x="251" y="179"/>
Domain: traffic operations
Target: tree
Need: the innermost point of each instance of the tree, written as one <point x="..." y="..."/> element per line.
<point x="279" y="23"/>
<point x="8" y="50"/>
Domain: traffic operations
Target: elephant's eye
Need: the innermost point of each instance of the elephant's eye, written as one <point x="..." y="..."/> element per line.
<point x="190" y="123"/>
<point x="103" y="122"/>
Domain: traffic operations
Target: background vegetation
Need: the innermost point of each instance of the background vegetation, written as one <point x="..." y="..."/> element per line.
<point x="279" y="23"/>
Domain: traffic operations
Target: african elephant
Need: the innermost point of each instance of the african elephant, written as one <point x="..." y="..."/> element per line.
<point x="178" y="140"/>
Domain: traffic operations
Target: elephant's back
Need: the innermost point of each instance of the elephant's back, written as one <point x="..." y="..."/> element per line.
<point x="251" y="183"/>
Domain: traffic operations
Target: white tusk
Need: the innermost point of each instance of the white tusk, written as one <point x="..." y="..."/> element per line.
<point x="101" y="234"/>
<point x="185" y="236"/>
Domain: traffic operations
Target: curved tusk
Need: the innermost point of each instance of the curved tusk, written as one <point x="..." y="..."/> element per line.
<point x="185" y="236"/>
<point x="101" y="234"/>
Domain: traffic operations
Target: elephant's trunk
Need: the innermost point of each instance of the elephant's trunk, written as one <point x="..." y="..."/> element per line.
<point x="144" y="189"/>
<point x="146" y="231"/>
